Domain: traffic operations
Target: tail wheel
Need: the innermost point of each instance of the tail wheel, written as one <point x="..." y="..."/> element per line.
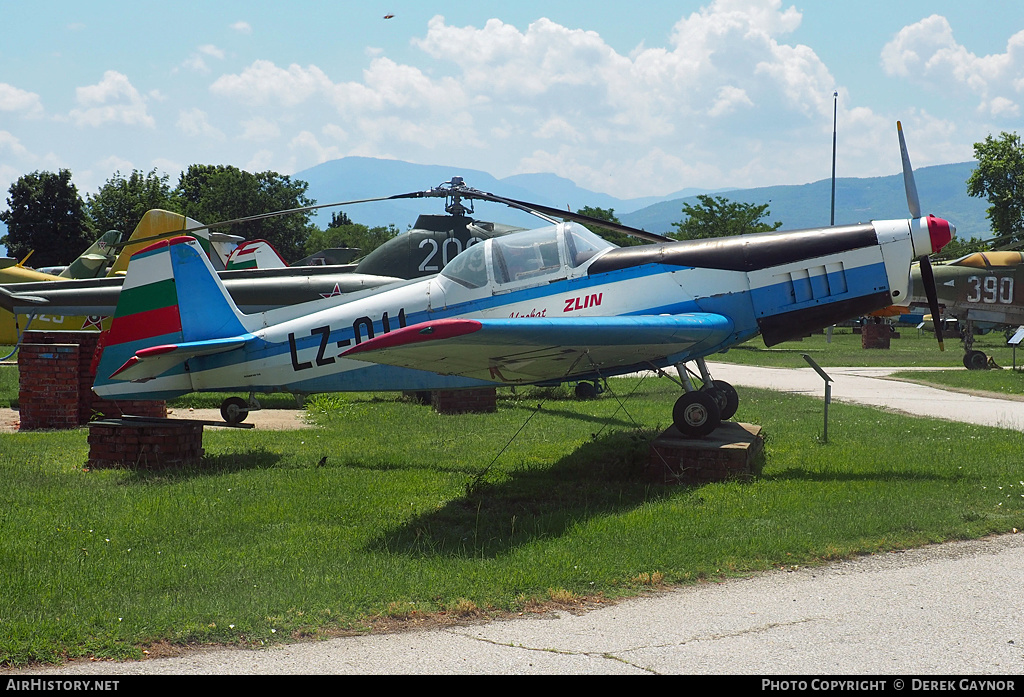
<point x="234" y="410"/>
<point x="696" y="414"/>
<point x="725" y="396"/>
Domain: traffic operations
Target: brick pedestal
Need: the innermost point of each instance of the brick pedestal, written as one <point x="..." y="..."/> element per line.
<point x="465" y="401"/>
<point x="875" y="336"/>
<point x="48" y="388"/>
<point x="145" y="445"/>
<point x="35" y="386"/>
<point x="732" y="451"/>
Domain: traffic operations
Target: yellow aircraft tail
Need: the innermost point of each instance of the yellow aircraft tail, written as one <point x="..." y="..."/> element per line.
<point x="158" y="224"/>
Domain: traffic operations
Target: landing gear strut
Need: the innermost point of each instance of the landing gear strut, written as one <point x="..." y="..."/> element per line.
<point x="973" y="360"/>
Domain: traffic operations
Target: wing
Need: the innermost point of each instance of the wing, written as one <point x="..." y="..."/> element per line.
<point x="538" y="349"/>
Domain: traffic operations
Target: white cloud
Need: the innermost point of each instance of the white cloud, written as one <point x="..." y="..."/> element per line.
<point x="18" y="100"/>
<point x="265" y="83"/>
<point x="169" y="167"/>
<point x="927" y="52"/>
<point x="242" y="27"/>
<point x="1000" y="106"/>
<point x="307" y="142"/>
<point x="197" y="61"/>
<point x="261" y="161"/>
<point x="730" y="101"/>
<point x="557" y="128"/>
<point x="193" y="122"/>
<point x="116" y="164"/>
<point x="335" y="132"/>
<point x="259" y="129"/>
<point x="728" y="61"/>
<point x="12" y="146"/>
<point x="112" y="100"/>
<point x="212" y="51"/>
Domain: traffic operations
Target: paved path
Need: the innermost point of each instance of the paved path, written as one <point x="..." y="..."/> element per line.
<point x="264" y="419"/>
<point x="864" y="386"/>
<point x="942" y="610"/>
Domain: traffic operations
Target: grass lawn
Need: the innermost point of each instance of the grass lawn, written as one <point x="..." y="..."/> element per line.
<point x="913" y="348"/>
<point x="414" y="513"/>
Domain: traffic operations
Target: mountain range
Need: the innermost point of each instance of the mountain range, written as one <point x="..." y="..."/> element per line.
<point x="942" y="189"/>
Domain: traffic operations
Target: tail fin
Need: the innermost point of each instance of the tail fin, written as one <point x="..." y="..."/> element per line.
<point x="158" y="223"/>
<point x="94" y="261"/>
<point x="172" y="307"/>
<point x="255" y="254"/>
<point x="221" y="245"/>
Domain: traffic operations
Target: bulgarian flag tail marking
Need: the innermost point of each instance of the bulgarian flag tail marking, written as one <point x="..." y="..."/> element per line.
<point x="148" y="304"/>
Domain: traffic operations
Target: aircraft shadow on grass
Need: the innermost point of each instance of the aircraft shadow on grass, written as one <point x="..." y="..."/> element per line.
<point x="601" y="477"/>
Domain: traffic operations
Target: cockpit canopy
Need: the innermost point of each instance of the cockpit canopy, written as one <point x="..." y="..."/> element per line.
<point x="990" y="260"/>
<point x="537" y="255"/>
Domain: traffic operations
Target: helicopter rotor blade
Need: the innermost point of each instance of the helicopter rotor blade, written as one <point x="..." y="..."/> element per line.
<point x="548" y="211"/>
<point x="261" y="216"/>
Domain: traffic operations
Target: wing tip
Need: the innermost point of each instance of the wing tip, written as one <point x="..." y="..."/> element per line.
<point x="417" y="333"/>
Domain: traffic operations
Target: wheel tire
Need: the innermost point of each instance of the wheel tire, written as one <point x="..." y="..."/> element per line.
<point x="696" y="414"/>
<point x="725" y="396"/>
<point x="586" y="390"/>
<point x="976" y="360"/>
<point x="234" y="410"/>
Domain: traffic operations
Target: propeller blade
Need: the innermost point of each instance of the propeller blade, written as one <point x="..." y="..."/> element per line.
<point x="928" y="280"/>
<point x="913" y="201"/>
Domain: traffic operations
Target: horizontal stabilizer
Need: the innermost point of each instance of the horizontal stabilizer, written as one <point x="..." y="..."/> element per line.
<point x="150" y="362"/>
<point x="9" y="299"/>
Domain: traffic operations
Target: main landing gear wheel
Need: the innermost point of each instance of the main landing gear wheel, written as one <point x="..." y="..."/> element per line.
<point x="586" y="390"/>
<point x="696" y="414"/>
<point x="725" y="396"/>
<point x="976" y="360"/>
<point x="234" y="410"/>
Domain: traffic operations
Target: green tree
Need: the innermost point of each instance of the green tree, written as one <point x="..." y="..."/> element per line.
<point x="342" y="232"/>
<point x="46" y="214"/>
<point x="215" y="193"/>
<point x="618" y="238"/>
<point x="999" y="176"/>
<point x="121" y="202"/>
<point x="717" y="216"/>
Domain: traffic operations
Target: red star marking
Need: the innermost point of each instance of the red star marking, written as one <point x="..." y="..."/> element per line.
<point x="334" y="293"/>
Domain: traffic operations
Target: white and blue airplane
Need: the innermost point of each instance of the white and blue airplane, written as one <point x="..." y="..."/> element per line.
<point x="550" y="305"/>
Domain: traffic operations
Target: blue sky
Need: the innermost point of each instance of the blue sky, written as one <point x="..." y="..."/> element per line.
<point x="630" y="99"/>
